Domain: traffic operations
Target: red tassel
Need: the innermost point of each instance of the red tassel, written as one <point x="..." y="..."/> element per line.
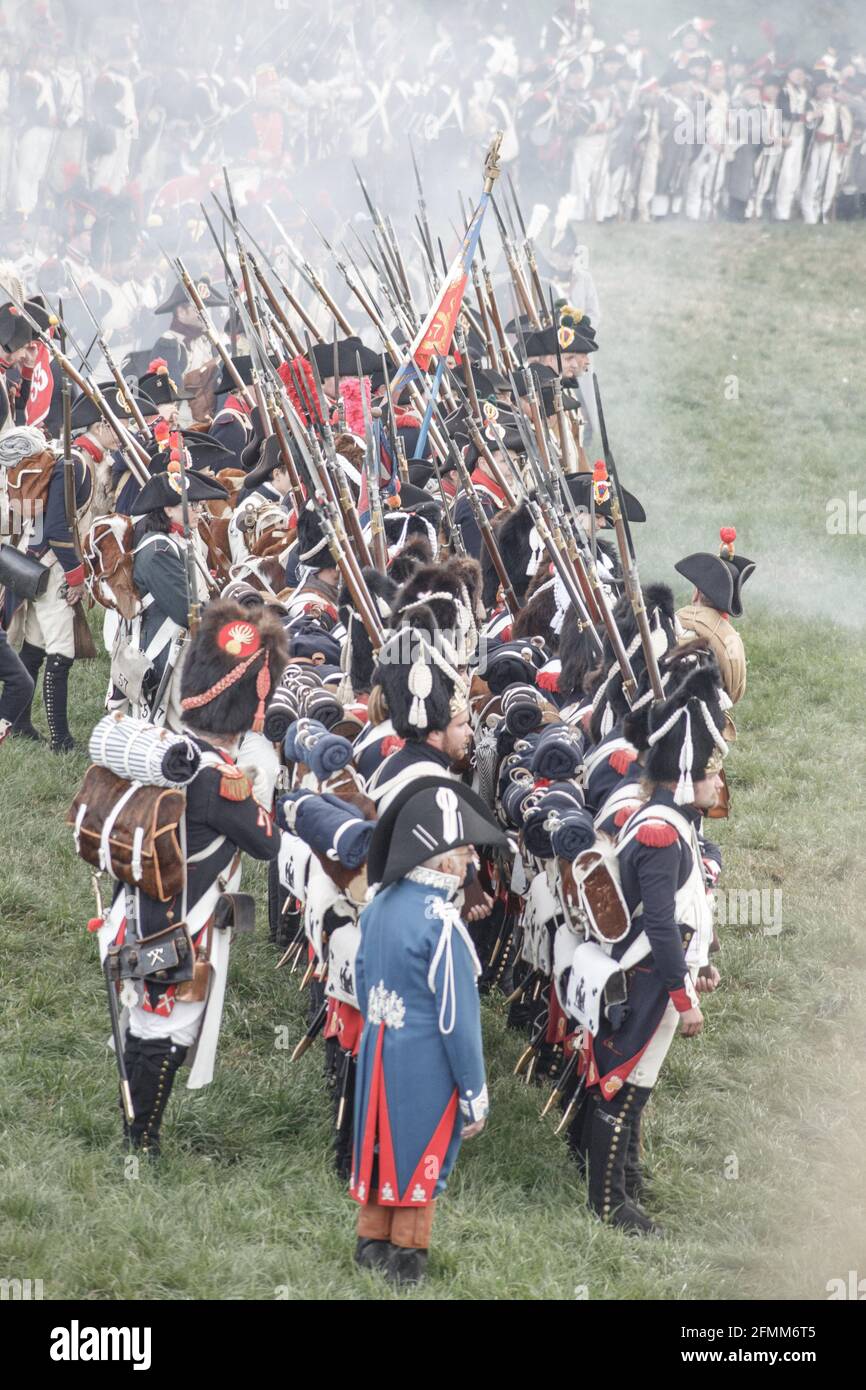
<point x="622" y="760"/>
<point x="95" y="923"/>
<point x="656" y="833"/>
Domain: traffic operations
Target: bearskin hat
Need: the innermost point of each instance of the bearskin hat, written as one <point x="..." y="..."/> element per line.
<point x="358" y="661"/>
<point x="685" y="733"/>
<point x="401" y="528"/>
<point x="313" y="548"/>
<point x="443" y="591"/>
<point x="418" y="677"/>
<point x="580" y="659"/>
<point x="515" y="534"/>
<point x="404" y="564"/>
<point x="234" y="661"/>
<point x="609" y="700"/>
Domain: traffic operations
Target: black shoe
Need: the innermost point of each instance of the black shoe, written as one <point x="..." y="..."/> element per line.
<point x="26" y="730"/>
<point x="373" y="1254"/>
<point x="406" y="1266"/>
<point x="634" y="1220"/>
<point x="55" y="693"/>
<point x="22" y="727"/>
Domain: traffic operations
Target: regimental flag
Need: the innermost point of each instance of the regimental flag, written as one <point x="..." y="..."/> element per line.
<point x="433" y="338"/>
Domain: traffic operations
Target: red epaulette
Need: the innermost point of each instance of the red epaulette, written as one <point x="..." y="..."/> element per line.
<point x="627" y="810"/>
<point x="548" y="680"/>
<point x="656" y="833"/>
<point x="392" y="743"/>
<point x="622" y="760"/>
<point x="234" y="783"/>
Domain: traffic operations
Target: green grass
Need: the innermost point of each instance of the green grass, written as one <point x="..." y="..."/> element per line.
<point x="244" y="1204"/>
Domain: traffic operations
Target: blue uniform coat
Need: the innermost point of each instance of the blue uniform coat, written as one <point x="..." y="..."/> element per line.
<point x="420" y="1064"/>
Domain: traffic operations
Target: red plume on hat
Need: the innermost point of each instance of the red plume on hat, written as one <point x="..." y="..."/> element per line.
<point x="600" y="483"/>
<point x="158" y="367"/>
<point x="308" y="407"/>
<point x="727" y="535"/>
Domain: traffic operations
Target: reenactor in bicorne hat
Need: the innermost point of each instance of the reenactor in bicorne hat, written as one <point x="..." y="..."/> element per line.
<point x="421" y="1085"/>
<point x="147" y="659"/>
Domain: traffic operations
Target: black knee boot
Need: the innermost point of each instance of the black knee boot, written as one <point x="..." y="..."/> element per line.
<point x="31" y="659"/>
<point x="580" y="1129"/>
<point x="608" y="1153"/>
<point x="55" y="692"/>
<point x="635" y="1179"/>
<point x="151" y="1065"/>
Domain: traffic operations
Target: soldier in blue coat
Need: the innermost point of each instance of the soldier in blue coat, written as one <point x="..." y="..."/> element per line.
<point x="421" y="1085"/>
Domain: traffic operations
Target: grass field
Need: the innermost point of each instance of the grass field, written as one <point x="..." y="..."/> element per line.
<point x="754" y="1136"/>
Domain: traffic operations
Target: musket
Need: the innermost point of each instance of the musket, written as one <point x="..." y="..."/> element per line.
<point x="193" y="602"/>
<point x="460" y="341"/>
<point x="566" y="439"/>
<point x="276" y="419"/>
<point x="628" y="558"/>
<point x="209" y="330"/>
<point x="481" y="520"/>
<point x="455" y="535"/>
<point x="371" y="467"/>
<point x="529" y="252"/>
<point x="505" y="350"/>
<point x="68" y="460"/>
<point x="568" y="566"/>
<point x="422" y="206"/>
<point x="315" y="284"/>
<point x="124" y="392"/>
<point x="344" y="558"/>
<point x="272" y="270"/>
<point x="347" y="506"/>
<point x="514" y="269"/>
<point x="338" y="395"/>
<point x="117" y="1037"/>
<point x="312" y="1032"/>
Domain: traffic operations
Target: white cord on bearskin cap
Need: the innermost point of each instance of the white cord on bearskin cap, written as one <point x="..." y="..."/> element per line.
<point x="536" y="550"/>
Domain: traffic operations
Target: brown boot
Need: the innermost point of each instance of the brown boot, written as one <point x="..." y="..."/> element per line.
<point x="374" y="1248"/>
<point x="410" y="1239"/>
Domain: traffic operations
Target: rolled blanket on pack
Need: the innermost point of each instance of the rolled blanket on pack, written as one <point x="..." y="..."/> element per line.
<point x="328" y="825"/>
<point x="522" y="710"/>
<point x="542" y="819"/>
<point x="315" y="702"/>
<point x="284" y="706"/>
<point x="141" y="752"/>
<point x="514" y="798"/>
<point x="574" y="834"/>
<point x="308" y="741"/>
<point x="558" y="753"/>
<point x="509" y="662"/>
